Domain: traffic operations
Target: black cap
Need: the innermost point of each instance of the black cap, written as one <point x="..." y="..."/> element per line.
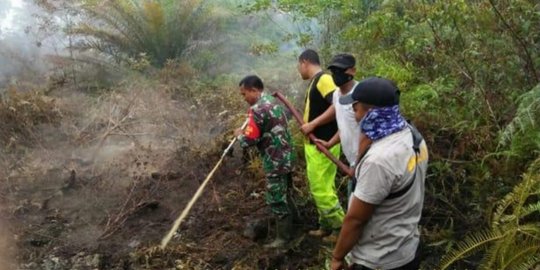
<point x="374" y="91"/>
<point x="343" y="61"/>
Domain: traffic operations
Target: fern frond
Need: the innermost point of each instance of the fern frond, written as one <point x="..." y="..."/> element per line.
<point x="517" y="198"/>
<point x="521" y="256"/>
<point x="530" y="230"/>
<point x="471" y="244"/>
<point x="515" y="246"/>
<point x="534" y="168"/>
<point x="530" y="263"/>
<point x="530" y="209"/>
<point x="491" y="256"/>
<point x="501" y="216"/>
<point x="527" y="115"/>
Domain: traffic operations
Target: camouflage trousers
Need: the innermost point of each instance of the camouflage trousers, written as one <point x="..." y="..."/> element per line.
<point x="278" y="195"/>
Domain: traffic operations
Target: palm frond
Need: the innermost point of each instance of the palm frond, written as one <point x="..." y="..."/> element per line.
<point x="102" y="35"/>
<point x="111" y="19"/>
<point x="471" y="244"/>
<point x="160" y="29"/>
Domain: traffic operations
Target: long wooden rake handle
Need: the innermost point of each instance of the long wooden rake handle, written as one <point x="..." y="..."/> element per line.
<point x="344" y="168"/>
<point x="184" y="214"/>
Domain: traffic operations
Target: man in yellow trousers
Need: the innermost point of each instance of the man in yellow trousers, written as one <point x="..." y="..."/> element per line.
<point x="319" y="119"/>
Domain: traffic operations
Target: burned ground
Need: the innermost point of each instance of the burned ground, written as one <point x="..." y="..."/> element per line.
<point x="100" y="188"/>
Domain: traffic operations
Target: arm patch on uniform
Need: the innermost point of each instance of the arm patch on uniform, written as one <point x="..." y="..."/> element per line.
<point x="252" y="131"/>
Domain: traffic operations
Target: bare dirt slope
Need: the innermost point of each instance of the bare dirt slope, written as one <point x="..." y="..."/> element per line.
<point x="101" y="187"/>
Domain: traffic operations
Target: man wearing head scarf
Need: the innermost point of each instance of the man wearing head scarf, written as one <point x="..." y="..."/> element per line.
<point x="380" y="229"/>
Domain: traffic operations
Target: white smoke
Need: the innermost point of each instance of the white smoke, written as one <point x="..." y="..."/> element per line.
<point x="27" y="36"/>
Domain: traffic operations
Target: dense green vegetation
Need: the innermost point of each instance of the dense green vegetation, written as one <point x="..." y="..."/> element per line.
<point x="470" y="75"/>
<point x="469" y="71"/>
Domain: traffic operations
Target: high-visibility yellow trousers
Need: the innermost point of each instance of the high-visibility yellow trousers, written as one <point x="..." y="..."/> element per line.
<point x="321" y="174"/>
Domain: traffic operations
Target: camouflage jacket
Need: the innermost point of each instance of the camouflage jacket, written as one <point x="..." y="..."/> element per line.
<point x="267" y="129"/>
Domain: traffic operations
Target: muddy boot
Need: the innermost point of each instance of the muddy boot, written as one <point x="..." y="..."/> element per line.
<point x="283" y="232"/>
<point x="295" y="214"/>
<point x="332" y="237"/>
<point x="291" y="203"/>
<point x="256" y="229"/>
<point x="319" y="232"/>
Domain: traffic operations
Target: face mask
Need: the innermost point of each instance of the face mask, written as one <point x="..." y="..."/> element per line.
<point x="340" y="77"/>
<point x="363" y="123"/>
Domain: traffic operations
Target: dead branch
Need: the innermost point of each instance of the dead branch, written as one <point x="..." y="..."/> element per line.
<point x="115" y="223"/>
<point x="115" y="125"/>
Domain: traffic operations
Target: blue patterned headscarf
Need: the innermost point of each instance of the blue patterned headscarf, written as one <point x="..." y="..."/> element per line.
<point x="381" y="122"/>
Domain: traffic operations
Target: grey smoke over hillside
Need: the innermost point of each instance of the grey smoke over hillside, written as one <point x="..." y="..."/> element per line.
<point x="32" y="33"/>
<point x="27" y="36"/>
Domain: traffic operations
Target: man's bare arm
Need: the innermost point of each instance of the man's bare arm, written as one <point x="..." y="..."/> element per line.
<point x="357" y="216"/>
<point x="325" y="118"/>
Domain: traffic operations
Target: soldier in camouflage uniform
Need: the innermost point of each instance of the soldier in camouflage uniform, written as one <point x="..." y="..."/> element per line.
<point x="267" y="129"/>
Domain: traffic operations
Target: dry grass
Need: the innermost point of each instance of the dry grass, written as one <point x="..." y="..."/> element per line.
<point x="101" y="165"/>
<point x="21" y="113"/>
<point x="111" y="172"/>
<point x="6" y="248"/>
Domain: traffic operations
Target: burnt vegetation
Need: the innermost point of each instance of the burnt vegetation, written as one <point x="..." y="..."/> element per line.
<point x="117" y="110"/>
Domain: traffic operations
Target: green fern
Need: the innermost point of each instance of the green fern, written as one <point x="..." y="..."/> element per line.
<point x="522" y="134"/>
<point x="523" y="254"/>
<point x="470" y="245"/>
<point x="531" y="208"/>
<point x="512" y="242"/>
<point x="528" y="264"/>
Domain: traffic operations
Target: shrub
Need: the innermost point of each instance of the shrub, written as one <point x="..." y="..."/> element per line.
<point x="160" y="30"/>
<point x="513" y="239"/>
<point x="21" y="113"/>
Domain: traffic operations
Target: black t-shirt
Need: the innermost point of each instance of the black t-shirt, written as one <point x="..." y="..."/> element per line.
<point x="318" y="100"/>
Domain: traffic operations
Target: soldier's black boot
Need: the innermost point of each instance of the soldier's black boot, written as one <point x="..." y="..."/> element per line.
<point x="283" y="232"/>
